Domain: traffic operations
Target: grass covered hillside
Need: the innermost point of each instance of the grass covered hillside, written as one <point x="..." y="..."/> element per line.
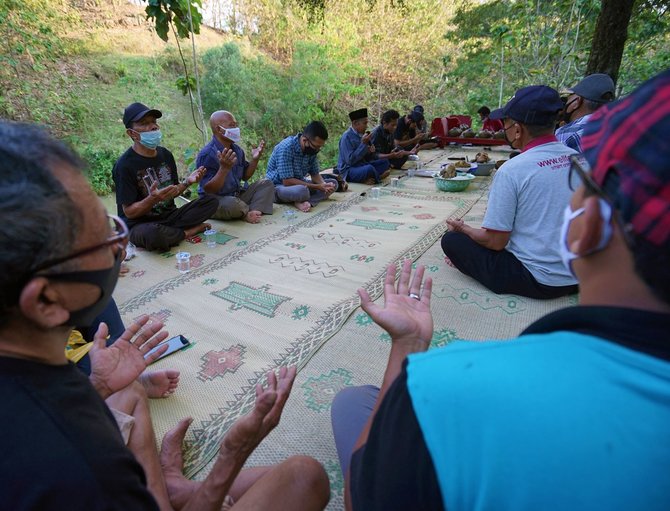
<point x="74" y="66"/>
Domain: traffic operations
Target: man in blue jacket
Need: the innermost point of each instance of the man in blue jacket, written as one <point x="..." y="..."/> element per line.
<point x="358" y="162"/>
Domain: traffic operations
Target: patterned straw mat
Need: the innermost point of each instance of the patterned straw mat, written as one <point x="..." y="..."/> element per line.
<point x="276" y="294"/>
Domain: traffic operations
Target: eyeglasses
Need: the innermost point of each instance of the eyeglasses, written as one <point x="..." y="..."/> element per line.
<point x="119" y="237"/>
<point x="310" y="144"/>
<point x="580" y="166"/>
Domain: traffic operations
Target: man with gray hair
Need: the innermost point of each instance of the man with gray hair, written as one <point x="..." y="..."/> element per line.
<point x="61" y="256"/>
<point x="585" y="98"/>
<point x="226" y="165"/>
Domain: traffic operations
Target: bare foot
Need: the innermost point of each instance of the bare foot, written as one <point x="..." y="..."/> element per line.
<point x="253" y="216"/>
<point x="160" y="383"/>
<point x="124" y="270"/>
<point x="197" y="229"/>
<point x="171" y="458"/>
<point x="385" y="174"/>
<point x="303" y="206"/>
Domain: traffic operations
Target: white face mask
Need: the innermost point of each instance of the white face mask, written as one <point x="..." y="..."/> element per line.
<point x="568" y="216"/>
<point x="232" y="134"/>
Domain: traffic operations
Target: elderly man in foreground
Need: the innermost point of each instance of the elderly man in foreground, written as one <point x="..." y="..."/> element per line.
<point x="61" y="265"/>
<point x="574" y="413"/>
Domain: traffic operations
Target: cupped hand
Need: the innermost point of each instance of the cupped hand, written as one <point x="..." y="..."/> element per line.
<point x="405" y="314"/>
<point x="257" y="151"/>
<point x="227" y="158"/>
<point x="196" y="175"/>
<point x="115" y="367"/>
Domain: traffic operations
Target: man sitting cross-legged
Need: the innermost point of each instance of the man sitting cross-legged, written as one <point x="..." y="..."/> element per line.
<point x="515" y="250"/>
<point x="147" y="183"/>
<point x="382" y="138"/>
<point x="226" y="166"/>
<point x="292" y="160"/>
<point x="62" y="262"/>
<point x="357" y="161"/>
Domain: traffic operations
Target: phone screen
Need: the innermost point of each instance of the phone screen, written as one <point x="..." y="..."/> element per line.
<point x="176" y="343"/>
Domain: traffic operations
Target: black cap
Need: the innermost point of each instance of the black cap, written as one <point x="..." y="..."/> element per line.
<point x="534" y="105"/>
<point x="416" y="116"/>
<point x="597" y="87"/>
<point x="361" y="113"/>
<point x="135" y="111"/>
<point x="418" y="108"/>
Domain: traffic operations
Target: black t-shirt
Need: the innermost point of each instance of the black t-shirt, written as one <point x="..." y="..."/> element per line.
<point x="382" y="140"/>
<point x="60" y="447"/>
<point x="133" y="176"/>
<point x="394" y="469"/>
<point x="403" y="131"/>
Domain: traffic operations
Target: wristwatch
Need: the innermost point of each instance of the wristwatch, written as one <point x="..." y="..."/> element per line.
<point x="185" y="183"/>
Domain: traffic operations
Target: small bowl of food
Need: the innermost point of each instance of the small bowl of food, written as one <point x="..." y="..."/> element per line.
<point x="453" y="184"/>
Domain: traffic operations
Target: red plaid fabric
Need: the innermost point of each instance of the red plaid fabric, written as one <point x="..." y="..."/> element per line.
<point x="631" y="137"/>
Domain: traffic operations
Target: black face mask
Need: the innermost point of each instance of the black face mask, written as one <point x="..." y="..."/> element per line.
<point x="309" y="151"/>
<point x="104" y="279"/>
<point x="510" y="142"/>
<point x="564" y="115"/>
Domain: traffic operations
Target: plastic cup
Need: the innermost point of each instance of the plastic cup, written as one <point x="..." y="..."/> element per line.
<point x="290" y="216"/>
<point x="375" y="192"/>
<point x="395" y="182"/>
<point x="411" y="172"/>
<point x="183" y="262"/>
<point x="210" y="237"/>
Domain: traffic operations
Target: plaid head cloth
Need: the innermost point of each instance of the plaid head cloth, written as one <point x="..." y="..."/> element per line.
<point x="631" y="137"/>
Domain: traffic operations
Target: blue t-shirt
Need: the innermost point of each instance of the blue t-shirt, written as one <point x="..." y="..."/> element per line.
<point x="573" y="414"/>
<point x="208" y="158"/>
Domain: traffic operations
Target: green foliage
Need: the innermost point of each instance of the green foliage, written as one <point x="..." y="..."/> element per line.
<point x="272" y="101"/>
<point x="185" y="84"/>
<point x="523" y="43"/>
<point x="100" y="162"/>
<point x="176" y="13"/>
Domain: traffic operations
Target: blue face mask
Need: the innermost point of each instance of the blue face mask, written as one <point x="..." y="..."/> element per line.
<point x="150" y="139"/>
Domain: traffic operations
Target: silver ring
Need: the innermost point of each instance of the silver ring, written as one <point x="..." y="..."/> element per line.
<point x="415" y="296"/>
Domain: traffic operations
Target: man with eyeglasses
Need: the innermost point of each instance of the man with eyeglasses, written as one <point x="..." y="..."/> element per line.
<point x="147" y="183"/>
<point x="61" y="446"/>
<point x="227" y="166"/>
<point x="574" y="413"/>
<point x="515" y="251"/>
<point x="292" y="160"/>
<point x="585" y="98"/>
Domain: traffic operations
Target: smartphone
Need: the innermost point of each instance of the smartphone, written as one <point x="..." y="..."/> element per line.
<point x="176" y="343"/>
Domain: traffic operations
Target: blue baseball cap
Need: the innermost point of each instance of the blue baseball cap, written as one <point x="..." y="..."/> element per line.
<point x="534" y="105"/>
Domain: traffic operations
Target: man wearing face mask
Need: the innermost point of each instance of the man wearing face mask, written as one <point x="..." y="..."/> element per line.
<point x="292" y="160"/>
<point x="514" y="250"/>
<point x="61" y="263"/>
<point x="226" y="166"/>
<point x="572" y="414"/>
<point x="147" y="183"/>
<point x="586" y="97"/>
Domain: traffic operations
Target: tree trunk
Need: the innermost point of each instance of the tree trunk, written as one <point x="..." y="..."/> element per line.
<point x="610" y="37"/>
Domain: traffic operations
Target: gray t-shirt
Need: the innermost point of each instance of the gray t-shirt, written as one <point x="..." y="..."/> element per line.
<point x="528" y="197"/>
